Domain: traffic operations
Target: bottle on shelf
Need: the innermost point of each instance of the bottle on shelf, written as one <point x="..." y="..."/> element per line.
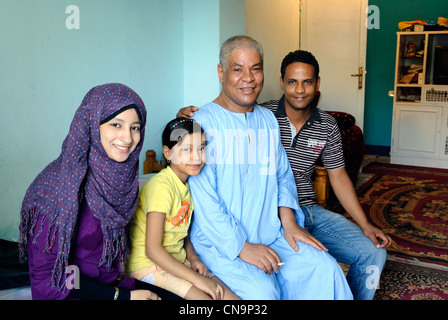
<point x="411" y="50"/>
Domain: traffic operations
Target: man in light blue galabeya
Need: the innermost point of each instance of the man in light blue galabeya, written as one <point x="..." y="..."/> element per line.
<point x="248" y="225"/>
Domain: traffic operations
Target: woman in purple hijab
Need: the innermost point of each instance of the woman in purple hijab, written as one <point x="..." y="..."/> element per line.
<point x="75" y="214"/>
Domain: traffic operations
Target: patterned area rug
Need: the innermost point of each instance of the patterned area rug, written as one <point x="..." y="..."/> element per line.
<point x="402" y="281"/>
<point x="402" y="170"/>
<point x="413" y="211"/>
<point x="411" y="205"/>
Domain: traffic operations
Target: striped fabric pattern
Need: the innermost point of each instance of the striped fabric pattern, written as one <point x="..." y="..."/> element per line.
<point x="319" y="137"/>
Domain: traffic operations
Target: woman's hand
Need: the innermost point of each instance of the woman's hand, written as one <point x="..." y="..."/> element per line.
<point x="143" y="295"/>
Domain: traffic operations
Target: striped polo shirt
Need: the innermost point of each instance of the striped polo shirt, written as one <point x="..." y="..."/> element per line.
<point x="319" y="136"/>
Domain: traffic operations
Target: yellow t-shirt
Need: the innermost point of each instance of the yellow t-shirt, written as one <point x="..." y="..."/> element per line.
<point x="165" y="193"/>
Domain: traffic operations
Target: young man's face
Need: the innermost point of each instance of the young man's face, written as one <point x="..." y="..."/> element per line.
<point x="299" y="85"/>
<point x="243" y="79"/>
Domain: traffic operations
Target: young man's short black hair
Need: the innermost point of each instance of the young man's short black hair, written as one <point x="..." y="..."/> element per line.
<point x="300" y="56"/>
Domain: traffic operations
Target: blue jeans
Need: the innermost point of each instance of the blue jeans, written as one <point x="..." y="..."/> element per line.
<point x="347" y="243"/>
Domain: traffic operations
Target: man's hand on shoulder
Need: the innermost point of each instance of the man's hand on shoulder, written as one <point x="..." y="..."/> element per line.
<point x="187" y="112"/>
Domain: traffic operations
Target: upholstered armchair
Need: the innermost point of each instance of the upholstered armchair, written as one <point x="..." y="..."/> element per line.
<point x="352" y="143"/>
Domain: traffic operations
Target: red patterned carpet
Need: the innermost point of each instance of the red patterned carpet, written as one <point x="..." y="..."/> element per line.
<point x="403" y="281"/>
<point x="411" y="205"/>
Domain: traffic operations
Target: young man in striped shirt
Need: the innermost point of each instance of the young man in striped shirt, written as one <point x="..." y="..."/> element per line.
<point x="308" y="133"/>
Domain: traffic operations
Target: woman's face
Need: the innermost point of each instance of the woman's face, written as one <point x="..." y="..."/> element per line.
<point x="121" y="135"/>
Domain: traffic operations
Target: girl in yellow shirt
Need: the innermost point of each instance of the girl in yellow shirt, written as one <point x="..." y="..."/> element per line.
<point x="161" y="252"/>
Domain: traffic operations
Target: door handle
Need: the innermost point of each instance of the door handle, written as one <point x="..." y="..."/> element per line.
<point x="359" y="75"/>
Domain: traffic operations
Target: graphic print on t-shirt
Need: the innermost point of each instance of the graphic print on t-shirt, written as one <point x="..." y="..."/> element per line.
<point x="318" y="145"/>
<point x="182" y="216"/>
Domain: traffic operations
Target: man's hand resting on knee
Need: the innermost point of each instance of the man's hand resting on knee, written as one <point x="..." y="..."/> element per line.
<point x="293" y="232"/>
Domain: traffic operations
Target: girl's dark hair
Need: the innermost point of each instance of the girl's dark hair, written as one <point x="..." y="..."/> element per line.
<point x="177" y="129"/>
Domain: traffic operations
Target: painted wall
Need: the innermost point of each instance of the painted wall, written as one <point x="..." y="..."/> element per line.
<point x="46" y="69"/>
<point x="206" y="25"/>
<point x="276" y="26"/>
<point x="381" y="50"/>
<point x="167" y="51"/>
<point x="201" y="49"/>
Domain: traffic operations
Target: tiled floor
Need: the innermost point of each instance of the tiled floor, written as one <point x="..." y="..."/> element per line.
<point x="363" y="177"/>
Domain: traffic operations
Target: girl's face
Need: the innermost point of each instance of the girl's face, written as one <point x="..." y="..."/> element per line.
<point x="187" y="157"/>
<point x="121" y="135"/>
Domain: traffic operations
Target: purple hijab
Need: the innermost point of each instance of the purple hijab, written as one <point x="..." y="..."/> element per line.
<point x="83" y="169"/>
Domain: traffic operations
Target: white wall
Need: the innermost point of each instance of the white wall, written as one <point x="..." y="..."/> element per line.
<point x="276" y="25"/>
<point x="203" y="36"/>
